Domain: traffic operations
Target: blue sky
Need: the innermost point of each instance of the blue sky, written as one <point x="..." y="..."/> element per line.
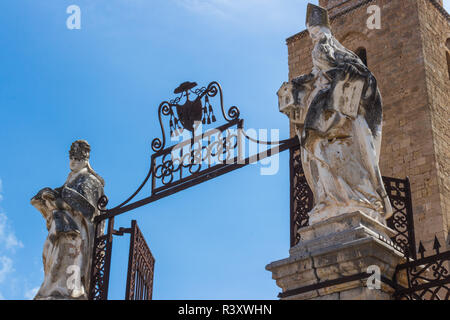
<point x="103" y="83"/>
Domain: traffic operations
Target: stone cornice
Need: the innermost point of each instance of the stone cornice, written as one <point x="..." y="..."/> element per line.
<point x="441" y="9"/>
<point x="345" y="12"/>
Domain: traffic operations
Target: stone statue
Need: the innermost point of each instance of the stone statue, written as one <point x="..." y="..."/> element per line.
<point x="69" y="212"/>
<point x="337" y="111"/>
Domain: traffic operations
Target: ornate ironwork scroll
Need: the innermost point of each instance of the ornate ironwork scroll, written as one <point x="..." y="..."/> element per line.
<point x="399" y="192"/>
<point x="192" y="111"/>
<point x="101" y="263"/>
<point x="195" y="157"/>
<point x="205" y="153"/>
<point x="402" y="220"/>
<point x="185" y="113"/>
<point x="301" y="196"/>
<point x="428" y="277"/>
<point x="141" y="266"/>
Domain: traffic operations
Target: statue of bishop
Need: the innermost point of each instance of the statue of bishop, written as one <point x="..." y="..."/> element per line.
<point x="69" y="212"/>
<point x="337" y="110"/>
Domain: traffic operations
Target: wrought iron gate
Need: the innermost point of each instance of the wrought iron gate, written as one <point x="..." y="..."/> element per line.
<point x="176" y="167"/>
<point x="216" y="152"/>
<point x="141" y="265"/>
<point x="101" y="262"/>
<point x="428" y="278"/>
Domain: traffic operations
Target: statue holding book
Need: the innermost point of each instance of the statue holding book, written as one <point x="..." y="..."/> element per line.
<point x="337" y="111"/>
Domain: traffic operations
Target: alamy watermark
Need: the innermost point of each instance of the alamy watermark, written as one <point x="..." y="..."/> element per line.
<point x="74" y="20"/>
<point x="73" y="282"/>
<point x="374" y="20"/>
<point x="232" y="146"/>
<point x="374" y="280"/>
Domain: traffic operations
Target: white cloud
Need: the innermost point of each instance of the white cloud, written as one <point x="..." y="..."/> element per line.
<point x="8" y="244"/>
<point x="262" y="12"/>
<point x="6" y="267"/>
<point x="212" y="7"/>
<point x="30" y="294"/>
<point x="8" y="239"/>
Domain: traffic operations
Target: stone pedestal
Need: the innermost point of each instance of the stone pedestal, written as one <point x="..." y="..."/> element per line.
<point x="331" y="260"/>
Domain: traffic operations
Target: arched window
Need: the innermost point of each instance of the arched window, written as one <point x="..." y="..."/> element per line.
<point x="362" y="54"/>
<point x="447" y="44"/>
<point x="448" y="64"/>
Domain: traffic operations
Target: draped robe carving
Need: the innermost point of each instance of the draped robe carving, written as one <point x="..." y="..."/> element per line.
<point x="337" y="110"/>
<point x="69" y="212"/>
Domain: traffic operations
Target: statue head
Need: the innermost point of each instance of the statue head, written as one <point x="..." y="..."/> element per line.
<point x="79" y="155"/>
<point x="317" y="22"/>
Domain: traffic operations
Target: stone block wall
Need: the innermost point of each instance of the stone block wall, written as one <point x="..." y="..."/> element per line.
<point x="435" y="32"/>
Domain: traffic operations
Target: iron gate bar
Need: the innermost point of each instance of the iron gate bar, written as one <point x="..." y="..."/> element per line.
<point x="101" y="263"/>
<point x="320" y="285"/>
<point x="218" y="171"/>
<point x="302" y="198"/>
<point x="428" y="277"/>
<point x="122" y="231"/>
<point x="292" y="233"/>
<point x="407" y="221"/>
<point x="430" y="259"/>
<point x="141" y="265"/>
<point x="432" y="284"/>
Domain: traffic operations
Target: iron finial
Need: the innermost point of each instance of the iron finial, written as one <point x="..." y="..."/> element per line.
<point x="421" y="250"/>
<point x="436" y="245"/>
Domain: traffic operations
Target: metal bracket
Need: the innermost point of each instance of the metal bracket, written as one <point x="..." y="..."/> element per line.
<point x="122" y="231"/>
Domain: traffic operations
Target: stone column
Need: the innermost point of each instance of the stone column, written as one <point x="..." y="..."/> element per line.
<point x="335" y="258"/>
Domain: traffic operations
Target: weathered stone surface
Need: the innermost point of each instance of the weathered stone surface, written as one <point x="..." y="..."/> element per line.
<point x="342" y="246"/>
<point x="69" y="212"/>
<point x="340" y="140"/>
<point x="337" y="230"/>
<point x="408" y="57"/>
<point x="341" y="134"/>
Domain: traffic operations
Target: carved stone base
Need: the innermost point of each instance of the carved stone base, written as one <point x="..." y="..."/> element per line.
<point x="331" y="260"/>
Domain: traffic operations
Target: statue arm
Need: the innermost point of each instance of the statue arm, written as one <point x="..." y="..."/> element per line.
<point x="45" y="201"/>
<point x="303" y="79"/>
<point x="78" y="202"/>
<point x="352" y="65"/>
<point x="302" y="88"/>
<point x="306" y="79"/>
